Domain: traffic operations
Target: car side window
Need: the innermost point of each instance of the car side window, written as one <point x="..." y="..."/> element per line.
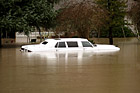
<point x="44" y="43"/>
<point x="86" y="44"/>
<point x="60" y="45"/>
<point x="72" y="44"/>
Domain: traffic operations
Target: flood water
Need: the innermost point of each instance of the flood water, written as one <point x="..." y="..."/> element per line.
<point x="72" y="72"/>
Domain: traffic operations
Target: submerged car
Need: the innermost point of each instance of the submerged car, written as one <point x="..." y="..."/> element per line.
<point x="68" y="44"/>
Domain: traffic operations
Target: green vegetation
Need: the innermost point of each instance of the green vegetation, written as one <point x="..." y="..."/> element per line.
<point x="116" y="23"/>
<point x="118" y="32"/>
<point x="104" y="16"/>
<point x="134" y="14"/>
<point x="25" y="15"/>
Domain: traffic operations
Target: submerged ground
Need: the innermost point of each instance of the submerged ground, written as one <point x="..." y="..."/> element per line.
<point x="72" y="72"/>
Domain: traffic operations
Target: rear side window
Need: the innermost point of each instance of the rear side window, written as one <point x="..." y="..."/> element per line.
<point x="72" y="44"/>
<point x="60" y="45"/>
<point x="44" y="43"/>
<point x="86" y="44"/>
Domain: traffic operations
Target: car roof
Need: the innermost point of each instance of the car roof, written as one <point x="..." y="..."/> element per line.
<point x="67" y="39"/>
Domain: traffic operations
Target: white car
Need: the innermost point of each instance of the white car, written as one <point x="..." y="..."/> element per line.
<point x="69" y="44"/>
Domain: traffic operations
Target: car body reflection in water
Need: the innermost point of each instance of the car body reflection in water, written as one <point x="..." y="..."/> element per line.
<point x="52" y="57"/>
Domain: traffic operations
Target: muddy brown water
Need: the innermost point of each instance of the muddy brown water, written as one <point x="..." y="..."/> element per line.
<point x="72" y="72"/>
